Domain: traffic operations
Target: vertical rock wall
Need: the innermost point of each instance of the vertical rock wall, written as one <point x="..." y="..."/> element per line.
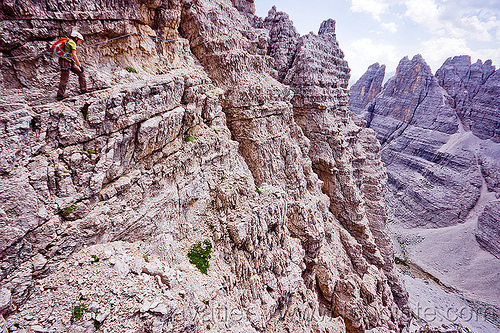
<point x="245" y="6"/>
<point x="475" y="89"/>
<point x="146" y="32"/>
<point x="283" y="41"/>
<point x="488" y="228"/>
<point x="247" y="118"/>
<point x="344" y="154"/>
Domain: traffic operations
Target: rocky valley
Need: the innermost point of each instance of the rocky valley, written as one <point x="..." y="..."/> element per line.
<point x="440" y="143"/>
<point x="215" y="180"/>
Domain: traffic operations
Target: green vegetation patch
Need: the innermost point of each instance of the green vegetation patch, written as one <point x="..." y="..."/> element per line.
<point x="97" y="324"/>
<point x="199" y="255"/>
<point x="131" y="69"/>
<point x="189" y="138"/>
<point x="400" y="261"/>
<point x="78" y="312"/>
<point x="95" y="258"/>
<point x="67" y="210"/>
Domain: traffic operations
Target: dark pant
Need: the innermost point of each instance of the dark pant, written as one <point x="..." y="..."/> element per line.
<point x="66" y="66"/>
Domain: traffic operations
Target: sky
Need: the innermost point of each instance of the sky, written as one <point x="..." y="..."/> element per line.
<point x="385" y="31"/>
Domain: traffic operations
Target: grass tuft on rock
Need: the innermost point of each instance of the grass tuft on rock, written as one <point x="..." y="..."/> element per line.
<point x="78" y="312"/>
<point x="85" y="110"/>
<point x="199" y="255"/>
<point x="189" y="138"/>
<point x="67" y="210"/>
<point x="400" y="261"/>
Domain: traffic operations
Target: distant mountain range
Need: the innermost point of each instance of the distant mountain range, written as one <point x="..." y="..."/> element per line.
<point x="440" y="137"/>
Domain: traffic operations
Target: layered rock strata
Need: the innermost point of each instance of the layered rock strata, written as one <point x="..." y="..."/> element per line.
<point x="283" y="41"/>
<point x="488" y="228"/>
<point x="245" y="6"/>
<point x="246" y="120"/>
<point x="28" y="28"/>
<point x="104" y="194"/>
<point x="438" y="140"/>
<point x="432" y="182"/>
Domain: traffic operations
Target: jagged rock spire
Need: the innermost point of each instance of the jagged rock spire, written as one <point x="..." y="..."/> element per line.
<point x="327" y="27"/>
<point x="368" y="86"/>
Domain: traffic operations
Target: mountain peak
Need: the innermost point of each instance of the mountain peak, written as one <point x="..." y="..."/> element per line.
<point x="327" y="27"/>
<point x="368" y="86"/>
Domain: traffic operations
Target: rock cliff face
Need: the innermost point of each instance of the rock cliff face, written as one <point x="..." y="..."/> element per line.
<point x="104" y="194"/>
<point x="283" y="40"/>
<point x="245" y="6"/>
<point x="344" y="154"/>
<point x="489" y="228"/>
<point x="438" y="140"/>
<point x="475" y="90"/>
<point x="432" y="183"/>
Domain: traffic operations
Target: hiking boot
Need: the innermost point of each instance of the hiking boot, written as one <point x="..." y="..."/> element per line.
<point x="87" y="91"/>
<point x="60" y="98"/>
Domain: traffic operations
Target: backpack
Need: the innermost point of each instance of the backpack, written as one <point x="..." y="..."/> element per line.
<point x="57" y="47"/>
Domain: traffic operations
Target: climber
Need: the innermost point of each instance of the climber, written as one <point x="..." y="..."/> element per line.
<point x="69" y="61"/>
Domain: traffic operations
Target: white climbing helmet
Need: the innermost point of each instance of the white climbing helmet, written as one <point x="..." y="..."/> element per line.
<point x="76" y="34"/>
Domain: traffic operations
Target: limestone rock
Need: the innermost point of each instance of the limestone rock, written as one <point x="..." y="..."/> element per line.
<point x="353" y="174"/>
<point x="489" y="161"/>
<point x="417" y="89"/>
<point x="488" y="228"/>
<point x="283" y="40"/>
<point x="435" y="178"/>
<point x="475" y="90"/>
<point x="30" y="72"/>
<point x="245" y="6"/>
<point x="106" y="193"/>
<point x="322" y="51"/>
<point x="5" y="299"/>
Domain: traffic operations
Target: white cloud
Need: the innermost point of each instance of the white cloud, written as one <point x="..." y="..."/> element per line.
<point x="457" y="18"/>
<point x="373" y="7"/>
<point x="425" y="12"/>
<point x="389" y="26"/>
<point x="485" y="54"/>
<point x="480" y="29"/>
<point x="364" y="52"/>
<point x="435" y="51"/>
<point x="370" y="50"/>
<point x="447" y="18"/>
